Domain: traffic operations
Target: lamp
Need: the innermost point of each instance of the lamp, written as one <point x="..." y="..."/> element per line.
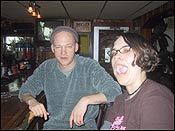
<point x="33" y="9"/>
<point x="30" y="8"/>
<point x="38" y="15"/>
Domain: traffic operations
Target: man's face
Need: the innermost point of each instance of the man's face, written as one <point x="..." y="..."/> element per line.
<point x="64" y="48"/>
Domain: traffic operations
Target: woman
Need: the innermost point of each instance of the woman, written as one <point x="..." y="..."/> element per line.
<point x="145" y="104"/>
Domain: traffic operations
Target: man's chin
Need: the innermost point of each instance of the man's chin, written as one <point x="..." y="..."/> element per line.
<point x="63" y="64"/>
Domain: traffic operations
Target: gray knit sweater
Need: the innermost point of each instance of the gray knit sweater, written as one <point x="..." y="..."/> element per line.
<point x="62" y="93"/>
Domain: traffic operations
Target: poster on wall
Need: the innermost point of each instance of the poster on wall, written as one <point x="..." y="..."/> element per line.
<point x="84" y="43"/>
<point x="82" y="26"/>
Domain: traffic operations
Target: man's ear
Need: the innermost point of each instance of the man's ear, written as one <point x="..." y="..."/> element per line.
<point x="76" y="47"/>
<point x="52" y="48"/>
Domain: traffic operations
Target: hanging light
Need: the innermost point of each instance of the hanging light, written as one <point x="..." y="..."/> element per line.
<point x="30" y="8"/>
<point x="34" y="13"/>
<point x="33" y="9"/>
<point x="38" y="14"/>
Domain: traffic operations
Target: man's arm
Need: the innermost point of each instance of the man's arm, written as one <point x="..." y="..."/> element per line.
<point x="81" y="107"/>
<point x="37" y="108"/>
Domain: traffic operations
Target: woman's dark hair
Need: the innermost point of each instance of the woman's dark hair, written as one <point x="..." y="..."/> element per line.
<point x="146" y="57"/>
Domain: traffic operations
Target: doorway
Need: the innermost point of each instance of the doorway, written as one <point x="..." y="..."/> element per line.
<point x="104" y="38"/>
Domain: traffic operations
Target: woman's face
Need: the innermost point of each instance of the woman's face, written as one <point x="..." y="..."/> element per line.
<point x="125" y="73"/>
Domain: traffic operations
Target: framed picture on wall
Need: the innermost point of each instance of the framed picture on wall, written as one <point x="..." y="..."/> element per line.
<point x="84" y="30"/>
<point x="84" y="40"/>
<point x="82" y="26"/>
<point x="45" y="27"/>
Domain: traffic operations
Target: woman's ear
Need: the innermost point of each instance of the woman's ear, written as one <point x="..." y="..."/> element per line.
<point x="134" y="61"/>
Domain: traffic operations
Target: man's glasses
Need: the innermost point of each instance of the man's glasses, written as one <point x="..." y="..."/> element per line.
<point x="122" y="50"/>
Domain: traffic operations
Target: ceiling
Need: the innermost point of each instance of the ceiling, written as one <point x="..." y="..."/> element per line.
<point x="84" y="10"/>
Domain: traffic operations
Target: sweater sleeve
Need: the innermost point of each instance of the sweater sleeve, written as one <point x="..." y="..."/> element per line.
<point x="104" y="82"/>
<point x="34" y="83"/>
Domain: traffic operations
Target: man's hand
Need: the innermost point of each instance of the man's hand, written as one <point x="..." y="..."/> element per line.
<point x="78" y="112"/>
<point x="38" y="109"/>
<point x="80" y="108"/>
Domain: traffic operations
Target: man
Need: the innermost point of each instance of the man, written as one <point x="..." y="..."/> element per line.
<point x="73" y="85"/>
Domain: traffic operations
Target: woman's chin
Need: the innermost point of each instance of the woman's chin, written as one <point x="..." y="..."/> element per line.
<point x="121" y="80"/>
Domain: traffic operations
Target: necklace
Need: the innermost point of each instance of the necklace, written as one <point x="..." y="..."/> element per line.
<point x="134" y="91"/>
<point x="137" y="88"/>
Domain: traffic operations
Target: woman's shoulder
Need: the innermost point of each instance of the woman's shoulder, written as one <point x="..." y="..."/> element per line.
<point x="155" y="86"/>
<point x="154" y="89"/>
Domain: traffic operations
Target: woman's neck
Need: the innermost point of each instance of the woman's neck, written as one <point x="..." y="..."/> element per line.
<point x="132" y="90"/>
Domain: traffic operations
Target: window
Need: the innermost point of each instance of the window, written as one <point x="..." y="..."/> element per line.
<point x="10" y="41"/>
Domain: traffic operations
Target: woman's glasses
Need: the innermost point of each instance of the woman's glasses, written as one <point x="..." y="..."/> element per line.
<point x="122" y="50"/>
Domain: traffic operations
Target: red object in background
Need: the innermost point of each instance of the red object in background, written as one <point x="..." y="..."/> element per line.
<point x="22" y="65"/>
<point x="14" y="70"/>
<point x="27" y="54"/>
<point x="27" y="51"/>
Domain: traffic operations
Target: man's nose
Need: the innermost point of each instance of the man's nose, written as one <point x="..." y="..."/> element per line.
<point x="63" y="50"/>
